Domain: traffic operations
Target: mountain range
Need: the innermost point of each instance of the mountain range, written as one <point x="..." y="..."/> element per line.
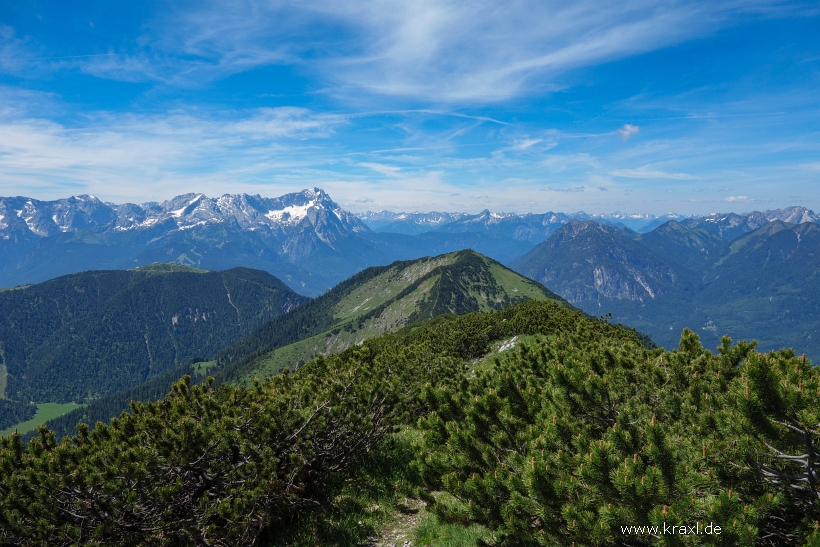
<point x="744" y="276"/>
<point x="527" y="226"/>
<point x="665" y="272"/>
<point x="373" y="302"/>
<point x="304" y="238"/>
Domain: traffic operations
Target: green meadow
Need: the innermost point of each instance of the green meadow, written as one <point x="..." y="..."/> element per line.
<point x="45" y="412"/>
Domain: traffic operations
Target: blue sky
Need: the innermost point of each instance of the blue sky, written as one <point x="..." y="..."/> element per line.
<point x="643" y="106"/>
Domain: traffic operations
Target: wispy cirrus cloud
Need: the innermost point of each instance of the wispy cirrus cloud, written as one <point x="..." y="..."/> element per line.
<point x="648" y="172"/>
<point x="553" y="189"/>
<point x="423" y="49"/>
<point x="137" y="155"/>
<point x="388" y="170"/>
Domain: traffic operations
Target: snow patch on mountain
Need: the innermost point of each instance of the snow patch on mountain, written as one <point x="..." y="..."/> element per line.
<point x="291" y="213"/>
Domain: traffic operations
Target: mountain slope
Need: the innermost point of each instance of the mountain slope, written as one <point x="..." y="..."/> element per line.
<point x="376" y="301"/>
<point x="373" y="302"/>
<point x="762" y="284"/>
<point x="687" y="245"/>
<point x="89" y="334"/>
<point x="588" y="262"/>
<point x="765" y="285"/>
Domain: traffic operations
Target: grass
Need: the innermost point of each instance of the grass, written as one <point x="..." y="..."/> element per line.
<point x="338" y="338"/>
<point x="376" y="503"/>
<point x="434" y="533"/>
<point x="360" y="502"/>
<point x="517" y="285"/>
<point x="17" y="288"/>
<point x="202" y="368"/>
<point x="45" y="412"/>
<point x="384" y="287"/>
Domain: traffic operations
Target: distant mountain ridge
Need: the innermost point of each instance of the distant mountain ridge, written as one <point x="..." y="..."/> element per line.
<point x="407" y="223"/>
<point x="303" y="238"/>
<point x="373" y="302"/>
<point x="89" y="334"/>
<point x="524" y="226"/>
<point x="735" y="274"/>
<point x="250" y="212"/>
<point x="536" y="227"/>
<point x="26" y="217"/>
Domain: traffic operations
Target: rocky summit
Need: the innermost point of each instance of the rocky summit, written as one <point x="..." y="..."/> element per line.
<point x="279" y="216"/>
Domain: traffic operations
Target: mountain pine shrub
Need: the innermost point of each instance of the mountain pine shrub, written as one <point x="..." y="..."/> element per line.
<point x="574" y="438"/>
<point x="576" y="433"/>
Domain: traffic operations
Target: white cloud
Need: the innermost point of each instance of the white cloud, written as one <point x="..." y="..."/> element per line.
<point x="388" y="170"/>
<point x="647" y="172"/>
<point x="573" y="189"/>
<point x="736" y="199"/>
<point x="414" y="48"/>
<point x="627" y="130"/>
<point x="134" y="157"/>
<point x="524" y="144"/>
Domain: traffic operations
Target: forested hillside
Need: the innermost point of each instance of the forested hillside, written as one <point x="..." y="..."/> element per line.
<point x="575" y="434"/>
<point x="734" y="275"/>
<point x="82" y="336"/>
<point x="13" y="412"/>
<point x="371" y="303"/>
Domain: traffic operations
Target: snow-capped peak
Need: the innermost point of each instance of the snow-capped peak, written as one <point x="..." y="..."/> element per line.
<point x="291" y="213"/>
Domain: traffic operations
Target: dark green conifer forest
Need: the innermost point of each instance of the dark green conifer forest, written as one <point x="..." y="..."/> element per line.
<point x="12" y="412"/>
<point x="576" y="432"/>
<point x="83" y="336"/>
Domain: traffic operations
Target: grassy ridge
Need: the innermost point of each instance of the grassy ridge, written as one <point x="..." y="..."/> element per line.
<point x="532" y="426"/>
<point x="373" y="302"/>
<point x="377" y="301"/>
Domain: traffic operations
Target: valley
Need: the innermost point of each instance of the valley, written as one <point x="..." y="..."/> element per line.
<point x="45" y="412"/>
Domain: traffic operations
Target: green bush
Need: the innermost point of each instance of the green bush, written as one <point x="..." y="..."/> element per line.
<point x="565" y="439"/>
<point x="571" y="439"/>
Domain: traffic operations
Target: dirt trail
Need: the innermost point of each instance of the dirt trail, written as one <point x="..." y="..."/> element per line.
<point x="400" y="530"/>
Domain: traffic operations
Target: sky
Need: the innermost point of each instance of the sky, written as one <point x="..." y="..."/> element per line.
<point x="641" y="106"/>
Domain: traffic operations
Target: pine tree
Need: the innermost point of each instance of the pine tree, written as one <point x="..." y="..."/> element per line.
<point x="572" y="438"/>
